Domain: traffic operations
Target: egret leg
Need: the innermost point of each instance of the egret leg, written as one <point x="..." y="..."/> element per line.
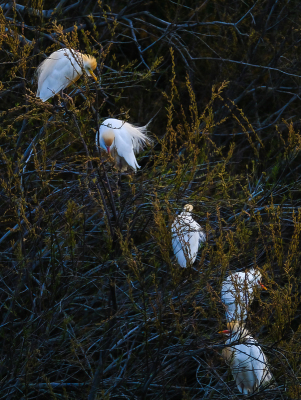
<point x="68" y="98"/>
<point x="57" y="102"/>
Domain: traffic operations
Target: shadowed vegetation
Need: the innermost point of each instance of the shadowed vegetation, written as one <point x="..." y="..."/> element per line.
<point x="94" y="305"/>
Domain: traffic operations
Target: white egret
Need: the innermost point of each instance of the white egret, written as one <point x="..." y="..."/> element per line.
<point x="122" y="140"/>
<point x="246" y="359"/>
<point x="238" y="292"/>
<point x="187" y="235"/>
<point x="61" y="69"/>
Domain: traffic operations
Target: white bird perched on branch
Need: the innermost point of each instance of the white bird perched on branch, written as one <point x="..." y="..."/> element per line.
<point x="61" y="69"/>
<point x="122" y="140"/>
<point x="246" y="359"/>
<point x="238" y="292"/>
<point x="187" y="235"/>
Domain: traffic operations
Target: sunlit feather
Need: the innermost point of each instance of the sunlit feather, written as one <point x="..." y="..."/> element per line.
<point x="123" y="141"/>
<point x="238" y="292"/>
<point x="61" y="69"/>
<point x="187" y="235"/>
<point x="246" y="359"/>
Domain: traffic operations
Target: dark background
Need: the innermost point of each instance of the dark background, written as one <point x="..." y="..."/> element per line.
<point x="93" y="303"/>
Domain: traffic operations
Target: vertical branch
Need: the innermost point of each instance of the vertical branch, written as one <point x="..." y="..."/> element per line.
<point x="91" y="168"/>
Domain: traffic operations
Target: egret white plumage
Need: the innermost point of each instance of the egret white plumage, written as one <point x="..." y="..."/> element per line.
<point x="122" y="140"/>
<point x="238" y="292"/>
<point x="61" y="69"/>
<point x="246" y="359"/>
<point x="187" y="235"/>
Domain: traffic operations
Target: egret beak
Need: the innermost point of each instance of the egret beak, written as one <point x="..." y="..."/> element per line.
<point x="262" y="285"/>
<point x="92" y="74"/>
<point x="108" y="149"/>
<point x="226" y="331"/>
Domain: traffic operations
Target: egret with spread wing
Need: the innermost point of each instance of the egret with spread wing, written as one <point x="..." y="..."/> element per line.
<point x="122" y="140"/>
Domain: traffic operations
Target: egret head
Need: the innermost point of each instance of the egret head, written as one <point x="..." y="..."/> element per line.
<point x="256" y="274"/>
<point x="108" y="139"/>
<point x="188" y="207"/>
<point x="89" y="64"/>
<point x="255" y="277"/>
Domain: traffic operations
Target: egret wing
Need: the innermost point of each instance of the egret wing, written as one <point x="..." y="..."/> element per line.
<point x="187" y="235"/>
<point x="180" y="240"/>
<point x="56" y="73"/>
<point x="253" y="278"/>
<point x="138" y="136"/>
<point x="242" y="369"/>
<point x="235" y="294"/>
<point x="260" y="365"/>
<point x="231" y="297"/>
<point x="178" y="251"/>
<point x="124" y="149"/>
